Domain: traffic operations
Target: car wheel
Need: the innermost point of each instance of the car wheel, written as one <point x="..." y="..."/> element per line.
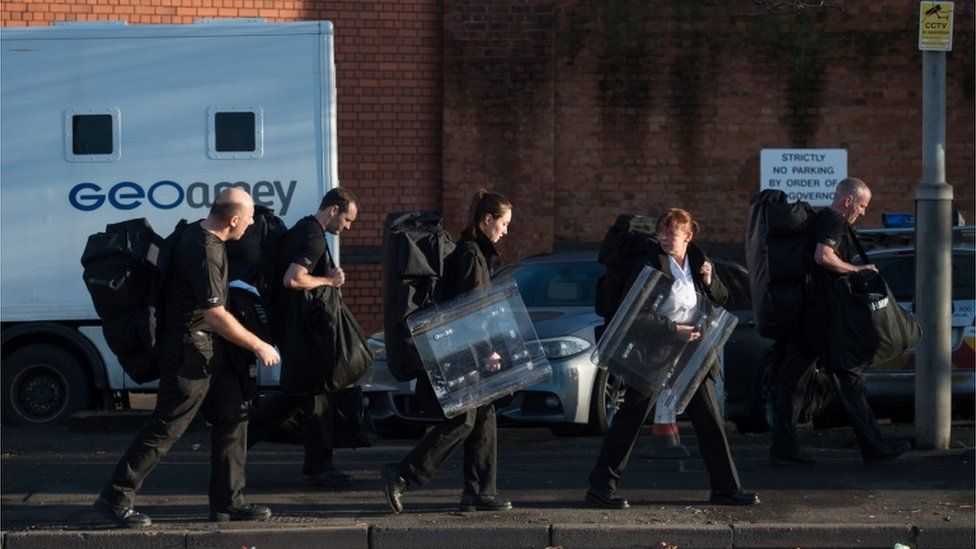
<point x="607" y="397"/>
<point x="43" y="384"/>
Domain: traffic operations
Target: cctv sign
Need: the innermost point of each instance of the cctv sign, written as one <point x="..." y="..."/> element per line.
<point x="810" y="175"/>
<point x="935" y="26"/>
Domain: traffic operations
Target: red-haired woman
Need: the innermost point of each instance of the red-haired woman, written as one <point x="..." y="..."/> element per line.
<point x="690" y="272"/>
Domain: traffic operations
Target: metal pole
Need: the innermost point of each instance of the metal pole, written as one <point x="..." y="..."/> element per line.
<point x="933" y="266"/>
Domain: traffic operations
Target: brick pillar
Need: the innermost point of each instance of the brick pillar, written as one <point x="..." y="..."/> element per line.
<point x="499" y="113"/>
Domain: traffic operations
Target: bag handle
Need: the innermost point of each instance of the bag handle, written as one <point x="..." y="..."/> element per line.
<point x="328" y="252"/>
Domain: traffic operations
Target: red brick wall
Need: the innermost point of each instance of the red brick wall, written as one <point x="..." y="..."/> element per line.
<point x="668" y="103"/>
<point x="649" y="105"/>
<point x="499" y="115"/>
<point x="581" y="109"/>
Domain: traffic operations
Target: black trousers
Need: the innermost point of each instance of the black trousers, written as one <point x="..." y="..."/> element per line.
<point x="317" y="426"/>
<point x="807" y="345"/>
<point x="705" y="417"/>
<point x="190" y="368"/>
<point x="476" y="429"/>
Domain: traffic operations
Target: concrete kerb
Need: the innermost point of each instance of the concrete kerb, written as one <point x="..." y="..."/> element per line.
<point x="512" y="535"/>
<point x="352" y="537"/>
<point x="823" y="535"/>
<point x="600" y="536"/>
<point x="450" y="537"/>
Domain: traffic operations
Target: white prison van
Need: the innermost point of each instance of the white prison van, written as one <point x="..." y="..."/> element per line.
<point x="102" y="122"/>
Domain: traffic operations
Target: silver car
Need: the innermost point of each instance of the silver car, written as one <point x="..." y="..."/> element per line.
<point x="559" y="293"/>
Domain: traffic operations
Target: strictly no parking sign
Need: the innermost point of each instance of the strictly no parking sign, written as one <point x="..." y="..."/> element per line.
<point x="803" y="174"/>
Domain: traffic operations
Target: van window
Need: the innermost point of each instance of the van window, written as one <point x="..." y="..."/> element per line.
<point x="91" y="134"/>
<point x="235" y="133"/>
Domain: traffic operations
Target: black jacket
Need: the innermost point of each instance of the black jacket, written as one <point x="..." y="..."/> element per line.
<point x="658" y="259"/>
<point x="468" y="267"/>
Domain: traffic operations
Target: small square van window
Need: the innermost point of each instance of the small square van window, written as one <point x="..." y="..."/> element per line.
<point x="92" y="135"/>
<point x="235" y="132"/>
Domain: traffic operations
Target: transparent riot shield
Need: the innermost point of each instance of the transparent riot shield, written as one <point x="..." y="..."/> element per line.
<point x="478" y="347"/>
<point x="640" y="345"/>
<point x="715" y="325"/>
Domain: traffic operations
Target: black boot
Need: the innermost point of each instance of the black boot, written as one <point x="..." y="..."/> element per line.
<point x="395" y="485"/>
<point x="123" y="517"/>
<point x="605" y="498"/>
<point x="482" y="502"/>
<point x="248" y="511"/>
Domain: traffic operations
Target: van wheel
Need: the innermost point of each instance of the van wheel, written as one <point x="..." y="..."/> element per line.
<point x="607" y="397"/>
<point x="43" y="384"/>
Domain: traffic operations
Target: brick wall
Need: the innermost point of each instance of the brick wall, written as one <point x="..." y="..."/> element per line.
<point x="581" y="109"/>
<point x="649" y="105"/>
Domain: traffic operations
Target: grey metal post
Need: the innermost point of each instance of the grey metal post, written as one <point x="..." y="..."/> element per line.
<point x="933" y="266"/>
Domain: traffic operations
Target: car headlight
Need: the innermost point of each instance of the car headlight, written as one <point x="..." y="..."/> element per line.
<point x="561" y="347"/>
<point x="377" y="347"/>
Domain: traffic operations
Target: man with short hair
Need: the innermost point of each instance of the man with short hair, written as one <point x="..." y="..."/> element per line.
<point x="303" y="263"/>
<point x="191" y="364"/>
<point x="833" y="250"/>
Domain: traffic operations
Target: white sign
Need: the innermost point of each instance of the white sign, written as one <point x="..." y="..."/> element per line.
<point x="809" y="175"/>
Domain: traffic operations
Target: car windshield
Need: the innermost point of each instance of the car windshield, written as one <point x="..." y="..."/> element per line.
<point x="898" y="271"/>
<point x="556" y="284"/>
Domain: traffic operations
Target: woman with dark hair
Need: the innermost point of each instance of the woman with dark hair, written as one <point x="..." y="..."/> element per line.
<point x="467" y="268"/>
<point x="691" y="273"/>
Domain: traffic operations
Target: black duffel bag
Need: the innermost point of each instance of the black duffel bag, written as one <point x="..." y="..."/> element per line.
<point x="867" y="325"/>
<point x="325" y="347"/>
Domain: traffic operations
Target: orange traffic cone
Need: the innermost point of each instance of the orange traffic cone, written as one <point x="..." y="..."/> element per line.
<point x="665" y="441"/>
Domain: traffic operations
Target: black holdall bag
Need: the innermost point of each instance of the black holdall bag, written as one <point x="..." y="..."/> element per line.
<point x="415" y="247"/>
<point x="249" y="309"/>
<point x="867" y="325"/>
<point x="779" y="259"/>
<point x="627" y="245"/>
<point x="325" y="346"/>
<point x="252" y="257"/>
<point x="124" y="271"/>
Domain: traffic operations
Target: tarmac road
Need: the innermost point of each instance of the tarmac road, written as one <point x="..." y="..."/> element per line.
<point x="50" y="476"/>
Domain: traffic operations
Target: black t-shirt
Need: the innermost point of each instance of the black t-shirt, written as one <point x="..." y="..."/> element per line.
<point x="833" y="231"/>
<point x="197" y="280"/>
<point x="304" y="245"/>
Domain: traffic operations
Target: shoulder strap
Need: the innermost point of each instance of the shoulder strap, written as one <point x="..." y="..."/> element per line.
<point x="857" y="245"/>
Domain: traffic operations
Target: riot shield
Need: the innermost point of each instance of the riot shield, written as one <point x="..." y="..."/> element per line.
<point x="715" y="325"/>
<point x="478" y="347"/>
<point x="640" y="346"/>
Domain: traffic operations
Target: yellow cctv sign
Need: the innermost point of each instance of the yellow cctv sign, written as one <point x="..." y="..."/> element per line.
<point x="935" y="26"/>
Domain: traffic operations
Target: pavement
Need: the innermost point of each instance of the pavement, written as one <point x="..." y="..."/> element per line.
<point x="51" y="475"/>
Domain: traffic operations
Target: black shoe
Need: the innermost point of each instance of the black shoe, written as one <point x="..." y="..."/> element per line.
<point x="798" y="457"/>
<point x="605" y="499"/>
<point x="332" y="478"/>
<point x="395" y="487"/>
<point x="735" y="498"/>
<point x="483" y="502"/>
<point x="248" y="511"/>
<point x="123" y="517"/>
<point x="888" y="452"/>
